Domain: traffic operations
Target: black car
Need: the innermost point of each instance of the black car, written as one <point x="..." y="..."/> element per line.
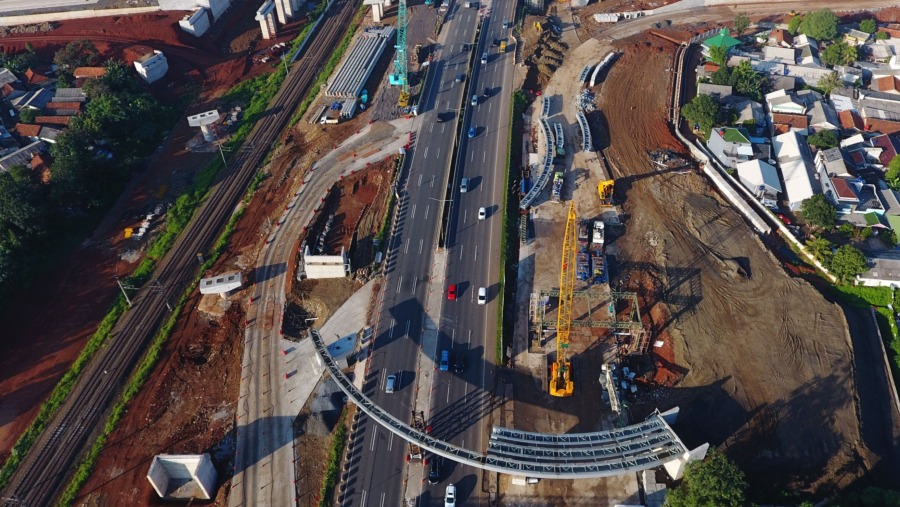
<point x="487" y="92"/>
<point x="459" y="365"/>
<point x="434" y="474"/>
<point x="496" y="42"/>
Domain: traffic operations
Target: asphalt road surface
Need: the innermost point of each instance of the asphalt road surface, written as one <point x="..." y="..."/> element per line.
<point x="41" y="475"/>
<point x="378" y="466"/>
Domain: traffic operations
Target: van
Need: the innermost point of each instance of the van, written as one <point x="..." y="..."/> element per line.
<point x="474" y="100"/>
<point x="464" y="185"/>
<point x="484" y="58"/>
<point x="445" y="360"/>
<point x="391" y="384"/>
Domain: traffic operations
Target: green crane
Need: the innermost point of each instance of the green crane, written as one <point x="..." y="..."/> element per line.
<point x="400" y="77"/>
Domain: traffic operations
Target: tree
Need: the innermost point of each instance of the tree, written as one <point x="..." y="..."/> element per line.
<point x="722" y="76"/>
<point x="820" y="248"/>
<point x="718" y="55"/>
<point x="704" y="110"/>
<point x="846" y="230"/>
<point x="866" y="233"/>
<point x="839" y="53"/>
<point x="715" y="481"/>
<point x="741" y="22"/>
<point x="847" y="262"/>
<point x="820" y="25"/>
<point x="888" y="237"/>
<point x="794" y="25"/>
<point x="868" y="26"/>
<point x="830" y="82"/>
<point x="79" y="53"/>
<point x="823" y="140"/>
<point x="892" y="175"/>
<point x="818" y="212"/>
<point x="747" y="81"/>
<point x="881" y="35"/>
<point x="27" y="115"/>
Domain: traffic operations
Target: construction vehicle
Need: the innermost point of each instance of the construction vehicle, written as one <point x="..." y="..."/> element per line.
<point x="598" y="266"/>
<point x="583" y="230"/>
<point x="556" y="191"/>
<point x="582" y="266"/>
<point x="605" y="191"/>
<point x="599" y="232"/>
<point x="561" y="383"/>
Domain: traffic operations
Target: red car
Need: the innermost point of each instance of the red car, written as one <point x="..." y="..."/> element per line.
<point x="784" y="219"/>
<point x="451" y="292"/>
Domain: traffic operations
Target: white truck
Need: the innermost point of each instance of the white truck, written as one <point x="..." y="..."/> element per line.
<point x="599" y="232"/>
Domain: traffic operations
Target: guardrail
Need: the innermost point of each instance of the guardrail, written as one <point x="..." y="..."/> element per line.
<point x="582" y="455"/>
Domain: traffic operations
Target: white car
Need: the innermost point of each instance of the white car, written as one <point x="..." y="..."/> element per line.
<point x="482" y="213"/>
<point x="450" y="496"/>
<point x="482" y="296"/>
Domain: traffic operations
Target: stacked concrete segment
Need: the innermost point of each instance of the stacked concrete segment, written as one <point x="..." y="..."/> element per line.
<point x="586" y="143"/>
<point x="355" y="70"/>
<point x="600" y="67"/>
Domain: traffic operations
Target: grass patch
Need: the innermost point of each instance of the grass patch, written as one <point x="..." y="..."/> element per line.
<point x="863" y="297"/>
<point x="329" y="66"/>
<point x="61" y="391"/>
<point x="335" y="454"/>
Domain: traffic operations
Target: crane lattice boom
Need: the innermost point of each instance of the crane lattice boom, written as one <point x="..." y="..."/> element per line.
<point x="561" y="382"/>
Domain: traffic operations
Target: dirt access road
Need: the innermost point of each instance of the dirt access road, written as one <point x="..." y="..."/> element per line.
<point x="768" y="361"/>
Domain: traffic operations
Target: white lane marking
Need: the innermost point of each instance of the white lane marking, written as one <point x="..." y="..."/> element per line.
<point x="460" y="251"/>
<point x="406" y="248"/>
<point x="432" y="181"/>
<point x="483" y="156"/>
<point x="469" y="345"/>
<point x="413" y="211"/>
<point x="420" y="179"/>
<point x="430" y="129"/>
<point x="476" y="252"/>
<point x="407" y="328"/>
<point x="399" y="283"/>
<point x="383" y="379"/>
<point x="391" y="441"/>
<point x="426" y="211"/>
<point x="392" y="327"/>
<point x="448" y="392"/>
<point x="438" y="153"/>
<point x="472" y="158"/>
<point x="425" y="155"/>
<point x="489" y="107"/>
<point x="415" y="282"/>
<point x="363" y="499"/>
<point x="465" y="214"/>
<point x="420" y="247"/>
<point x="382" y="495"/>
<point x="442" y="131"/>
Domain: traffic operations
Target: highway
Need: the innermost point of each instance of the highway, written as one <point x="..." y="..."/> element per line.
<point x="378" y="469"/>
<point x="461" y="401"/>
<point x="458" y="400"/>
<point x="43" y="471"/>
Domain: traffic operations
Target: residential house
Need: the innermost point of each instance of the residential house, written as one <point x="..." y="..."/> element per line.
<point x="782" y="122"/>
<point x="780" y="55"/>
<point x="53" y="120"/>
<point x="807" y="51"/>
<point x="10" y="86"/>
<point x="36" y="78"/>
<point x="69" y="95"/>
<point x="761" y="179"/>
<point x="883" y="126"/>
<point x="809" y="75"/>
<point x="49" y="134"/>
<point x="722" y="39"/>
<point x="35" y="99"/>
<point x="850" y="121"/>
<point x="831" y="163"/>
<point x="841" y="193"/>
<point x="22" y="156"/>
<point x="891" y="205"/>
<point x="889" y="145"/>
<point x="886" y="84"/>
<point x="878" y="52"/>
<point x="787" y="83"/>
<point x="849" y="75"/>
<point x="27" y="130"/>
<point x="730" y="145"/>
<point x="855" y="37"/>
<point x="781" y="37"/>
<point x="7" y="76"/>
<point x="796" y="166"/>
<point x="706" y="70"/>
<point x="823" y="117"/>
<point x="884" y="270"/>
<point x="62" y="108"/>
<point x="746" y="111"/>
<point x="844" y="98"/>
<point x="781" y="101"/>
<point x="717" y="92"/>
<point x="808" y="97"/>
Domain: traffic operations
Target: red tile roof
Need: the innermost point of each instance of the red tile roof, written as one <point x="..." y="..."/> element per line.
<point x="883" y="126"/>
<point x="851" y="120"/>
<point x="63" y="105"/>
<point x="888" y="147"/>
<point x="842" y="189"/>
<point x="88" y="72"/>
<point x="800" y="121"/>
<point x="782" y="36"/>
<point x="888" y="84"/>
<point x="40" y="165"/>
<point x="27" y="129"/>
<point x="34" y="78"/>
<point x="53" y="120"/>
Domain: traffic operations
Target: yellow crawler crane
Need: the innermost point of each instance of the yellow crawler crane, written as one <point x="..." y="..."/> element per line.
<point x="561" y="371"/>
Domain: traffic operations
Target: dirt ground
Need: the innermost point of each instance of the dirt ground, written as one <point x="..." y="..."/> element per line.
<point x="759" y="362"/>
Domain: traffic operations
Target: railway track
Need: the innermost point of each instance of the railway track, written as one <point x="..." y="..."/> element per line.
<point x="55" y="454"/>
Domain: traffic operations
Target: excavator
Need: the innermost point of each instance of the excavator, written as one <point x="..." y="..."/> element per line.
<point x="561" y="384"/>
<point x="605" y="191"/>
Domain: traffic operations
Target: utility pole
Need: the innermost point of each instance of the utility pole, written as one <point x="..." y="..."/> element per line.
<point x="161" y="289"/>
<point x="127" y="299"/>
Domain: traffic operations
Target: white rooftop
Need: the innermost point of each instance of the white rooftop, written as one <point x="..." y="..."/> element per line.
<point x="220" y="284"/>
<point x="759" y="173"/>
